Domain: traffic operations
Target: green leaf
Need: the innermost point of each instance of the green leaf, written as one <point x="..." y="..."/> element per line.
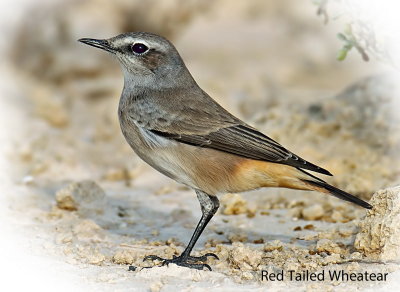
<point x="342" y="54"/>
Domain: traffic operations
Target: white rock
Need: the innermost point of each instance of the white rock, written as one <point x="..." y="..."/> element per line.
<point x="379" y="235"/>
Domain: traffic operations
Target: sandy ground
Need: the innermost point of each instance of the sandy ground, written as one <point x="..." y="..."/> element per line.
<point x="80" y="207"/>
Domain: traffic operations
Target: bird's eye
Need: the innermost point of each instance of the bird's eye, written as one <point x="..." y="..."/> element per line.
<point x="139" y="48"/>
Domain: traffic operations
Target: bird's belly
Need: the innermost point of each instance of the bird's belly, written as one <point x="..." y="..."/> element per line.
<point x="168" y="164"/>
<point x="156" y="151"/>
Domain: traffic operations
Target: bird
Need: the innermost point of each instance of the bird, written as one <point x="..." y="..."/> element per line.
<point x="178" y="129"/>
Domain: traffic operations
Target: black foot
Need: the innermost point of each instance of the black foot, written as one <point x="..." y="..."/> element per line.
<point x="188" y="261"/>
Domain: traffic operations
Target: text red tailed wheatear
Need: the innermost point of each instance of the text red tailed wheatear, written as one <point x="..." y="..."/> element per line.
<point x="177" y="128"/>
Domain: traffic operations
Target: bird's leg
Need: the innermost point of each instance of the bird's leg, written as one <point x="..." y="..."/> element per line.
<point x="209" y="206"/>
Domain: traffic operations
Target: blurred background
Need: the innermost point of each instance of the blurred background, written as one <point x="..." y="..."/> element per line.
<point x="272" y="63"/>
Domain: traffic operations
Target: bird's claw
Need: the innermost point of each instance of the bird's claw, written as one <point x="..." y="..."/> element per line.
<point x="203" y="258"/>
<point x="188" y="261"/>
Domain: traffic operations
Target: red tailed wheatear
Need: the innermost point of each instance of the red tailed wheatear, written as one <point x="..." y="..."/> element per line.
<point x="177" y="128"/>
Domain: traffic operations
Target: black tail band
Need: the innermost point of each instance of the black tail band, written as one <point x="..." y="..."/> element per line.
<point x="339" y="193"/>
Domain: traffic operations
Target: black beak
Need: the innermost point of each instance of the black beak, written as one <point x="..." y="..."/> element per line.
<point x="101" y="44"/>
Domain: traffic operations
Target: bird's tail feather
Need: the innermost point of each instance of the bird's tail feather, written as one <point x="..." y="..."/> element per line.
<point x="338" y="193"/>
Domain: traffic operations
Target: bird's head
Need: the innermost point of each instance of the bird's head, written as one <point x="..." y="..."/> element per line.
<point x="146" y="59"/>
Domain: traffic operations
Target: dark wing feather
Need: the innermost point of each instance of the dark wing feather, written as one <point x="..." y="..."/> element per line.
<point x="247" y="142"/>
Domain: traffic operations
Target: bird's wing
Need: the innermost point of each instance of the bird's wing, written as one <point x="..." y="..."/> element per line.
<point x="214" y="127"/>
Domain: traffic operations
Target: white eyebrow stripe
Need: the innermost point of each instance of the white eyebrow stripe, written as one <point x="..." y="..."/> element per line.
<point x="138" y="41"/>
<point x="150" y="45"/>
